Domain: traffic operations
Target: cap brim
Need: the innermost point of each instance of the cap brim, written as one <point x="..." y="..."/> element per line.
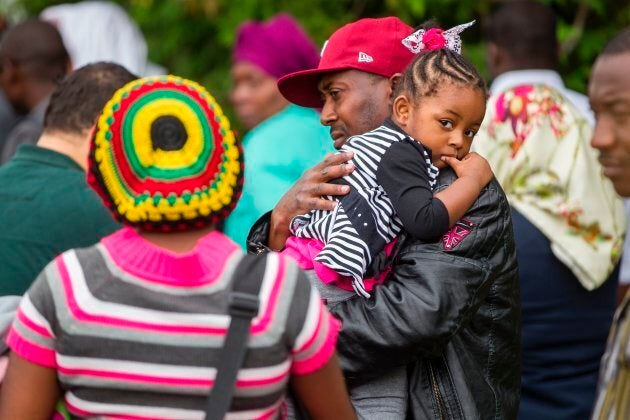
<point x="301" y="87"/>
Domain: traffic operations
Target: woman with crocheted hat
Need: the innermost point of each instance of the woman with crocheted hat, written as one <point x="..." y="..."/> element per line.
<point x="134" y="326"/>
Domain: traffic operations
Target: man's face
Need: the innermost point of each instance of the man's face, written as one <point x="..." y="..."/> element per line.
<point x="609" y="94"/>
<point x="12" y="84"/>
<point x="354" y="102"/>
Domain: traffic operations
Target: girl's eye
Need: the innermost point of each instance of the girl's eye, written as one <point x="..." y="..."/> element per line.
<point x="446" y="123"/>
<point x="471" y="133"/>
<point x="334" y="94"/>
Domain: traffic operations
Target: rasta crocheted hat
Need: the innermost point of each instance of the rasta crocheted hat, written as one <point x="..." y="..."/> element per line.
<point x="163" y="156"/>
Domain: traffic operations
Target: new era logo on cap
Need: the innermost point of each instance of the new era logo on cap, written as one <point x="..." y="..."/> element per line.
<point x="364" y="58"/>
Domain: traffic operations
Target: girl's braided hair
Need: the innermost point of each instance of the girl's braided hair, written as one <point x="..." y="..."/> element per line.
<point x="430" y="69"/>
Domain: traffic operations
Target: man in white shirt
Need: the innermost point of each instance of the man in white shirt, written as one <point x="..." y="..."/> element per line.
<point x="522" y="48"/>
<point x="564" y="326"/>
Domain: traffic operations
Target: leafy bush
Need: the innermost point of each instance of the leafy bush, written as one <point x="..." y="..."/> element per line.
<point x="193" y="38"/>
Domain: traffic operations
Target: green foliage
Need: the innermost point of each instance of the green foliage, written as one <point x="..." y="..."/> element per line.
<point x="193" y="38"/>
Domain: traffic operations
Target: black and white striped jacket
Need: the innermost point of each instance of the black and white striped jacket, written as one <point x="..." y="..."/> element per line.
<point x="387" y="161"/>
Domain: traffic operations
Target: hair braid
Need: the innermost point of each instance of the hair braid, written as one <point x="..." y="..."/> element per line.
<point x="443" y="66"/>
<point x="431" y="69"/>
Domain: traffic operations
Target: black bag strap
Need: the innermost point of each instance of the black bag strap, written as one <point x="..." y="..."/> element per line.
<point x="243" y="306"/>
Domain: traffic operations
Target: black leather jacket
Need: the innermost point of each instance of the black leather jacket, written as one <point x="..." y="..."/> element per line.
<point x="453" y="317"/>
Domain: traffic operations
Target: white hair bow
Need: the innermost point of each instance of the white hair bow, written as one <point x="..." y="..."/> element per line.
<point x="435" y="38"/>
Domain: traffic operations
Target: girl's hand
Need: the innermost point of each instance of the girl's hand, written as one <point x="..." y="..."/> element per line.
<point x="472" y="166"/>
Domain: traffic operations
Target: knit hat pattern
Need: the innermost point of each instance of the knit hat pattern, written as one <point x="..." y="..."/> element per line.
<point x="163" y="156"/>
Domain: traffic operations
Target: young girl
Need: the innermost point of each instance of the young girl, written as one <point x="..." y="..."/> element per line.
<point x="133" y="327"/>
<point x="438" y="108"/>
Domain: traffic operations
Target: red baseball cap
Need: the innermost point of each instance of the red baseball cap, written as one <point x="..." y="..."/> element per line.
<point x="370" y="45"/>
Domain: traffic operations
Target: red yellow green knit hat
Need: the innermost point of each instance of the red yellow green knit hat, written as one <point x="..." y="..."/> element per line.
<point x="163" y="156"/>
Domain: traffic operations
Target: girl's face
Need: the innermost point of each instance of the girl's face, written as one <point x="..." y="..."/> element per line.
<point x="445" y="122"/>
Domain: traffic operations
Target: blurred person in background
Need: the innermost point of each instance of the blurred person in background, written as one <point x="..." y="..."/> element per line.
<point x="8" y="118"/>
<point x="101" y="31"/>
<point x="568" y="221"/>
<point x="33" y="59"/>
<point x="609" y="94"/>
<point x="283" y="139"/>
<point x="46" y="207"/>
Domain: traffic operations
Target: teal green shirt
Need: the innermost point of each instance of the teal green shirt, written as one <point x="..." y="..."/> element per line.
<point x="277" y="152"/>
<point x="46" y="207"/>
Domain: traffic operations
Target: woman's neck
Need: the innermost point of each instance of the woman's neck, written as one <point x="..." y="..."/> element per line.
<point x="179" y="242"/>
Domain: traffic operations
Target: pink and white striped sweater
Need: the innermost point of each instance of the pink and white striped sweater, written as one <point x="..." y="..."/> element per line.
<point x="135" y="331"/>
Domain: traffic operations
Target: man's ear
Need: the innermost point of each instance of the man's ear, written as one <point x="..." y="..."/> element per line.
<point x="401" y="110"/>
<point x="394" y="81"/>
<point x="495" y="59"/>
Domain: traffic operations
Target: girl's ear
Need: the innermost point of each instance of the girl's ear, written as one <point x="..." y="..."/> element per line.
<point x="400" y="111"/>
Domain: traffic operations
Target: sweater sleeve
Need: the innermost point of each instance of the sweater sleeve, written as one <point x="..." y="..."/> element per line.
<point x="32" y="335"/>
<point x="403" y="175"/>
<point x="313" y="330"/>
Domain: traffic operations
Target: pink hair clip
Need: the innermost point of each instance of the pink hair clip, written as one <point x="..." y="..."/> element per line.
<point x="435" y="38"/>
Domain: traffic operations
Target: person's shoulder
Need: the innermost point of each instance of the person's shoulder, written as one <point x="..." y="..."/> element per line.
<point x="476" y="235"/>
<point x="292" y="118"/>
<point x="26" y="131"/>
<point x="581" y="102"/>
<point x="287" y="266"/>
<point x="491" y="198"/>
<point x="26" y="127"/>
<point x="287" y="272"/>
<point x="290" y="126"/>
<point x="381" y="135"/>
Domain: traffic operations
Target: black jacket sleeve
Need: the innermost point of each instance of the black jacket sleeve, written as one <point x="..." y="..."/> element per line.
<point x="402" y="172"/>
<point x="258" y="236"/>
<point x="430" y="293"/>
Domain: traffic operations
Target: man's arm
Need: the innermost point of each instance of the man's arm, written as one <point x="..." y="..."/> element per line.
<point x="306" y="195"/>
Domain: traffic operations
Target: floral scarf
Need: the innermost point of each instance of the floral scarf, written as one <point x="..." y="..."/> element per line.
<point x="538" y="146"/>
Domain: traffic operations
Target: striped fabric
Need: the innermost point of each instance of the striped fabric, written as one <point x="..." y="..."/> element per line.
<point x="146" y="347"/>
<point x="346" y="248"/>
<point x="611" y="399"/>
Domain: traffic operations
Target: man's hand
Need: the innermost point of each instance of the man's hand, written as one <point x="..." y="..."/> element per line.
<point x="306" y="195"/>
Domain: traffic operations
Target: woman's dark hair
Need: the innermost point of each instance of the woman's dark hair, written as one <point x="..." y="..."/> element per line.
<point x="79" y="99"/>
<point x="431" y="69"/>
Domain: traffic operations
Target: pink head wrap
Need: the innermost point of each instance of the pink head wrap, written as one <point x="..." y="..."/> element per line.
<point x="279" y="46"/>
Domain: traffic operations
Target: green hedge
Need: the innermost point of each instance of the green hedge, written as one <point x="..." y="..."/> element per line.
<point x="192" y="38"/>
